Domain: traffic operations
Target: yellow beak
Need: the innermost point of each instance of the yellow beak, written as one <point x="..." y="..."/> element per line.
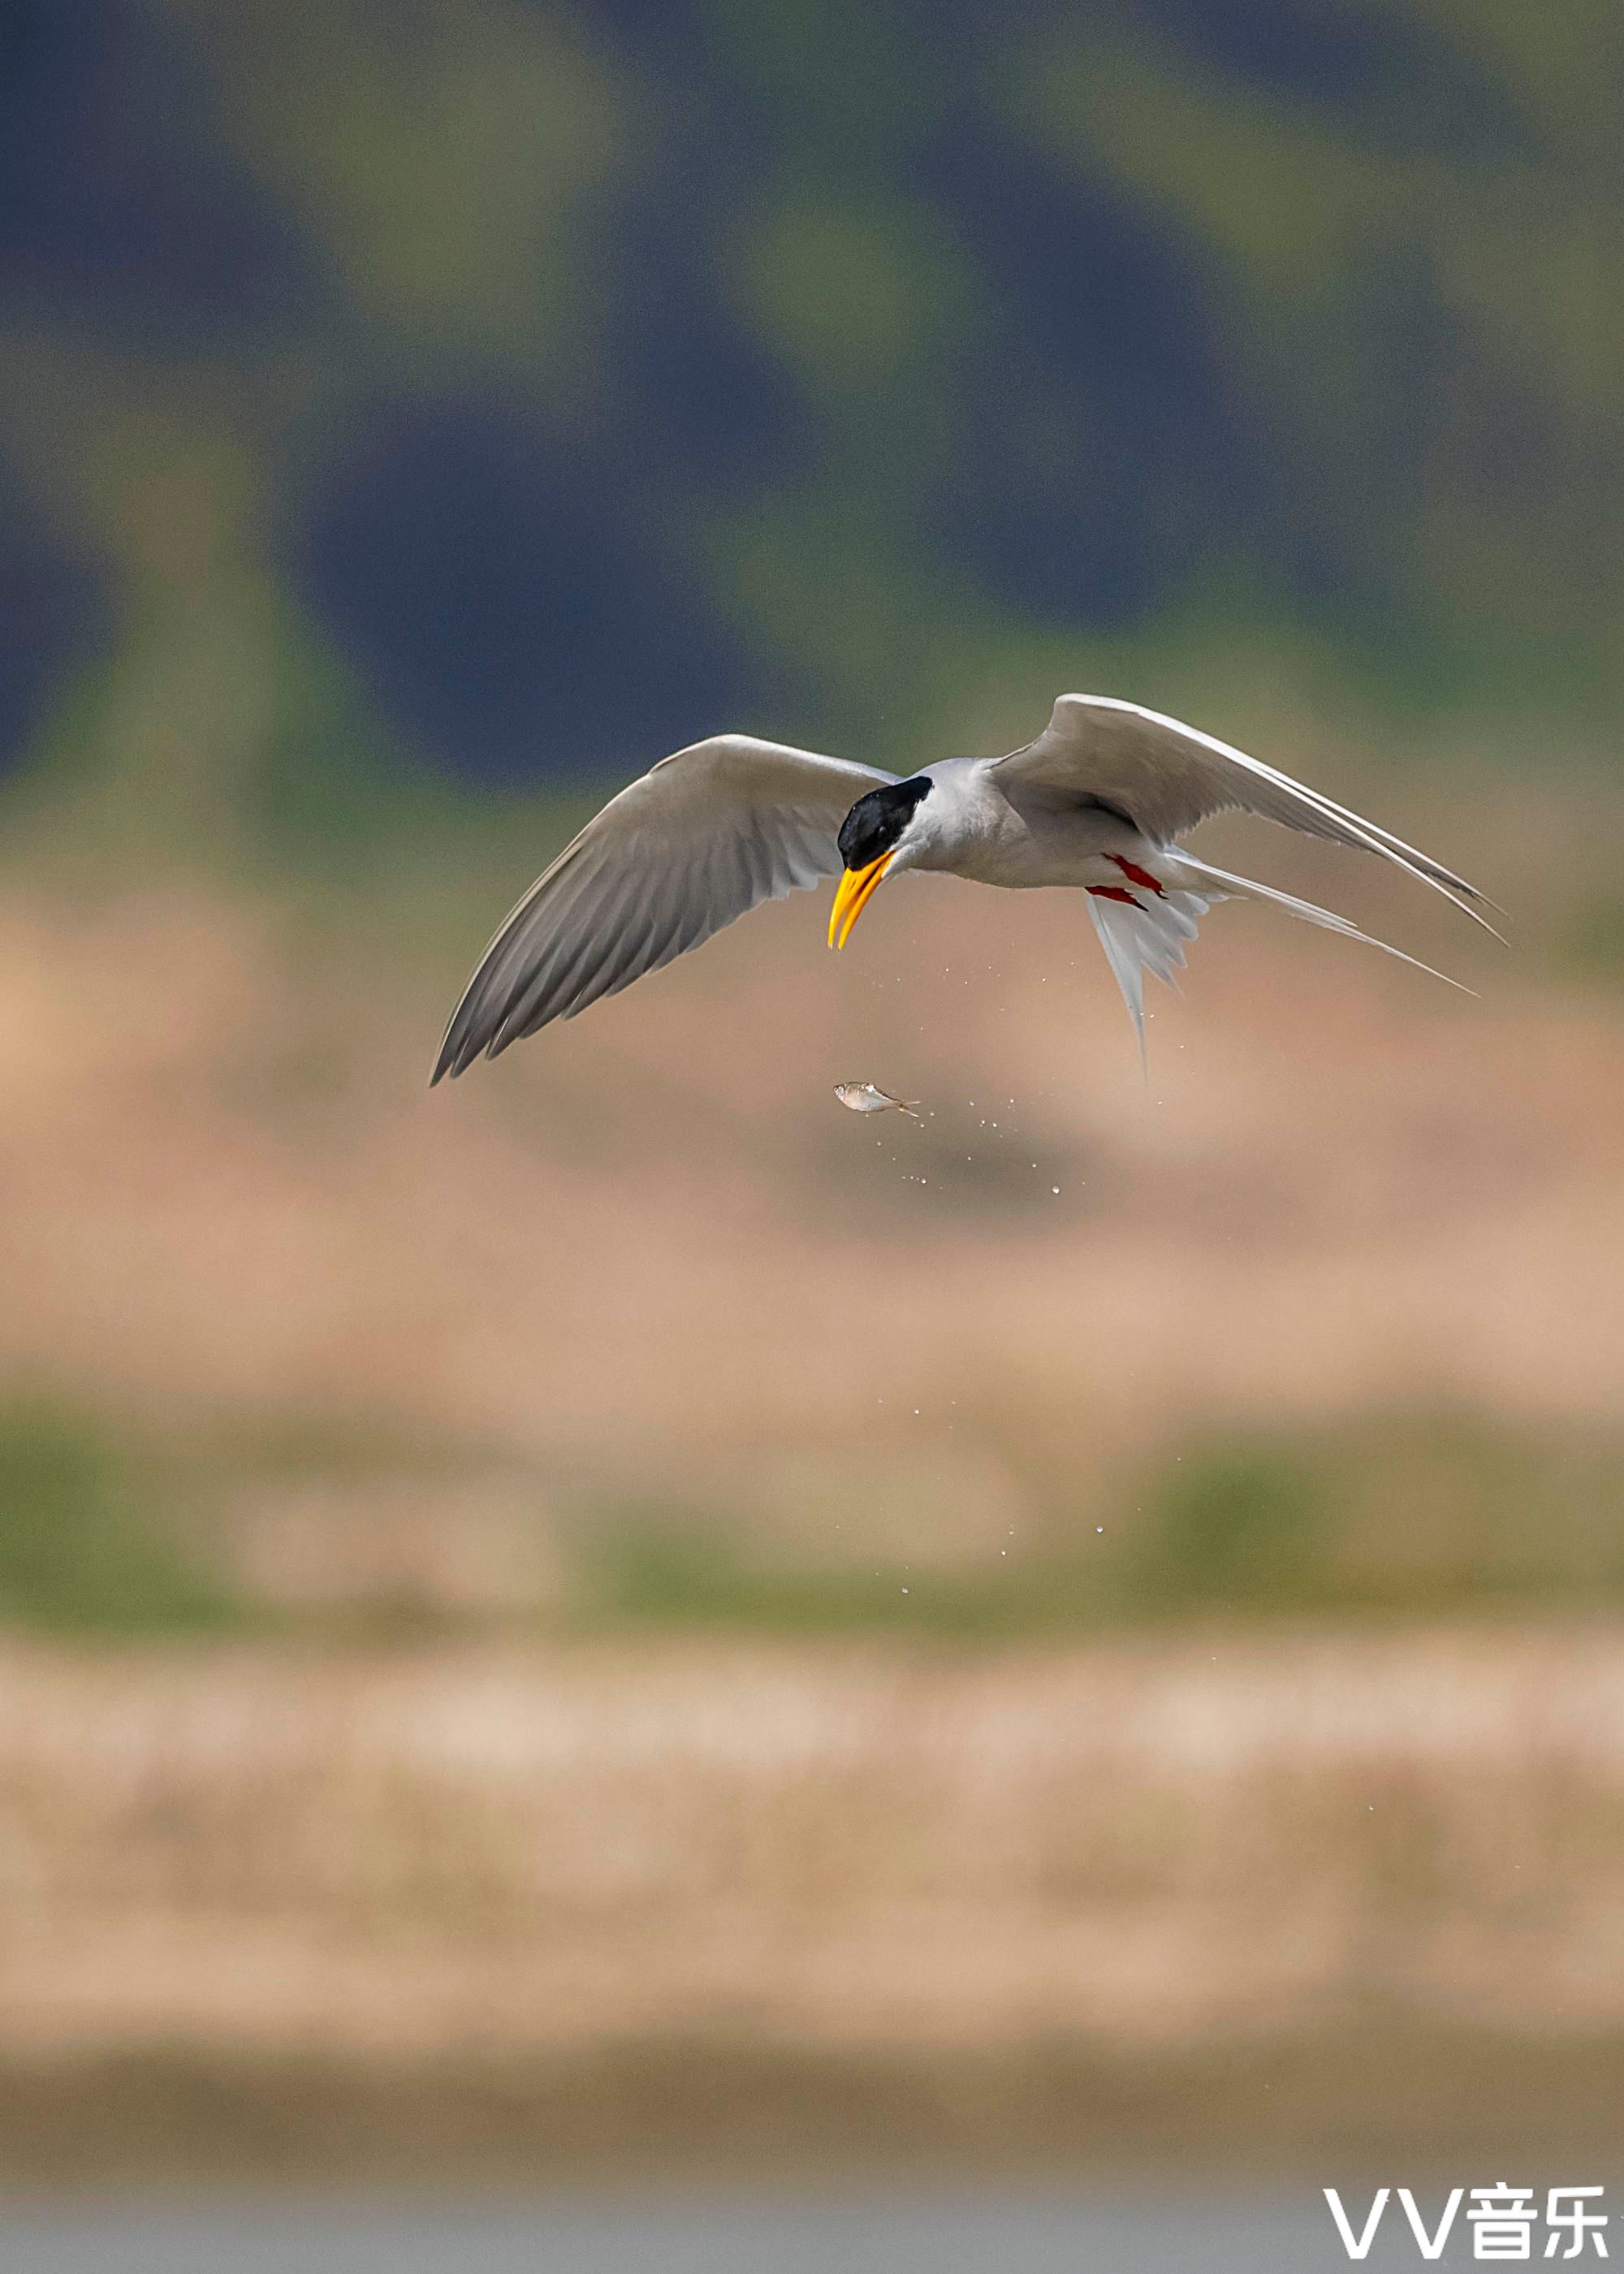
<point x="853" y="895"/>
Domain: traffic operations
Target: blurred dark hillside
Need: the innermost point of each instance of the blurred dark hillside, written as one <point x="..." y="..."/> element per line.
<point x="525" y="390"/>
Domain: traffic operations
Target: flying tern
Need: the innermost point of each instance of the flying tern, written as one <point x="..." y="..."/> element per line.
<point x="1099" y="801"/>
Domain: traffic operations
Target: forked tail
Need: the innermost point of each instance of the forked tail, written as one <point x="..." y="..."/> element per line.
<point x="1145" y="925"/>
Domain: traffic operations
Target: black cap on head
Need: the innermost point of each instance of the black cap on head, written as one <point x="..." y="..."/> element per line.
<point x="876" y="822"/>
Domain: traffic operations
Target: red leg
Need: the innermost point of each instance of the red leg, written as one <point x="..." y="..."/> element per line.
<point x="1135" y="875"/>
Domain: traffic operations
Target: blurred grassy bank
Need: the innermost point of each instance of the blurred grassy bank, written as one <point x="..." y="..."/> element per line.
<point x="373" y="1541"/>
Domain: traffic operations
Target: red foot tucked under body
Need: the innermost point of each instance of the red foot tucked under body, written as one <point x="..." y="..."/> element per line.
<point x="1135" y="875"/>
<point x="1114" y="893"/>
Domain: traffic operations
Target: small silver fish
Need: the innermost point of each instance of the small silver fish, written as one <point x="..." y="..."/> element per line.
<point x="862" y="1097"/>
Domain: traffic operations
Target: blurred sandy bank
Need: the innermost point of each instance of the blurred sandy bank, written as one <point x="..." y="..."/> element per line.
<point x="699" y="1901"/>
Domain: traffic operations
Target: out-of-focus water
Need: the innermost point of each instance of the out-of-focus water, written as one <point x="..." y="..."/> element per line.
<point x="1029" y="2234"/>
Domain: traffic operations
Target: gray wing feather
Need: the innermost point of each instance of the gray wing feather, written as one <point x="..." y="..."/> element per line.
<point x="1166" y="777"/>
<point x="705" y="835"/>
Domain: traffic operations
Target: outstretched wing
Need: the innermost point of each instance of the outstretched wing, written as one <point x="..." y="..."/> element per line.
<point x="1165" y="777"/>
<point x="701" y="837"/>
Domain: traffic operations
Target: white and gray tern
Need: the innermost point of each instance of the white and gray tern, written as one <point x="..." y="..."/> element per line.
<point x="1098" y="802"/>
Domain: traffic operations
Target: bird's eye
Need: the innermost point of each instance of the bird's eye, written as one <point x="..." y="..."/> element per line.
<point x="876" y="822"/>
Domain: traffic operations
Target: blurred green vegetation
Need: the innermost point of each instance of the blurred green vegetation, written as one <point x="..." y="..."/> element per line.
<point x="1442" y="1516"/>
<point x="82" y="1548"/>
<point x="107" y="1532"/>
